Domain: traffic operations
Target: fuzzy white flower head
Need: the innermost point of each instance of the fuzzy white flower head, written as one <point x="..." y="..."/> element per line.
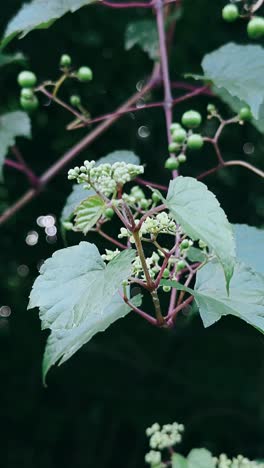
<point x="153" y="458"/>
<point x="110" y="254"/>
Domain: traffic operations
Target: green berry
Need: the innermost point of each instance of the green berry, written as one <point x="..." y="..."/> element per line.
<point x="65" y="61"/>
<point x="29" y="104"/>
<point x="75" y="100"/>
<point x="180" y="265"/>
<point x="211" y="108"/>
<point x="175" y="126"/>
<point x="166" y="273"/>
<point x="195" y="141"/>
<point x="171" y="164"/>
<point x="245" y="113"/>
<point x="26" y="93"/>
<point x="179" y="135"/>
<point x="166" y="288"/>
<point x="185" y="244"/>
<point x="155" y="197"/>
<point x="109" y="213"/>
<point x="230" y="13"/>
<point x="191" y="119"/>
<point x="174" y="147"/>
<point x="27" y="79"/>
<point x="144" y="204"/>
<point x="85" y="74"/>
<point x="255" y="27"/>
<point x="182" y="158"/>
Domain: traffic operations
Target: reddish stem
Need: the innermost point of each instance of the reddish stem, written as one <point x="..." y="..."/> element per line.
<point x="145" y="183"/>
<point x="126" y="4"/>
<point x="140" y="312"/>
<point x="111" y="239"/>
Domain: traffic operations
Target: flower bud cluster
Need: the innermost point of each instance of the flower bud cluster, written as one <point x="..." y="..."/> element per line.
<point x="136" y="198"/>
<point x="157" y="224"/>
<point x="165" y="436"/>
<point x="239" y="462"/>
<point x="153" y="458"/>
<point x="110" y="255"/>
<point x="105" y="178"/>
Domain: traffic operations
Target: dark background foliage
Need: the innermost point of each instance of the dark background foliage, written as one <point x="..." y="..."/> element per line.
<point x="97" y="406"/>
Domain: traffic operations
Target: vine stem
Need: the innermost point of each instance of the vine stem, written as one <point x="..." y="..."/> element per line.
<point x="75" y="150"/>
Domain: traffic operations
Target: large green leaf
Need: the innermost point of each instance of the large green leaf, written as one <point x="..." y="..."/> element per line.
<point x="245" y="300"/>
<point x="40" y="14"/>
<point x="12" y="125"/>
<point x="88" y="213"/>
<point x="250" y="246"/>
<point x="239" y="69"/>
<point x="144" y="34"/>
<point x="75" y="295"/>
<point x="200" y="458"/>
<point x="79" y="194"/>
<point x="197" y="210"/>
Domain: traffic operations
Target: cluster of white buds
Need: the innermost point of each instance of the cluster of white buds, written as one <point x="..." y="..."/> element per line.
<point x="136" y="198"/>
<point x="159" y="223"/>
<point x="153" y="458"/>
<point x="152" y="264"/>
<point x="105" y="178"/>
<point x="165" y="436"/>
<point x="238" y="462"/>
<point x="110" y="255"/>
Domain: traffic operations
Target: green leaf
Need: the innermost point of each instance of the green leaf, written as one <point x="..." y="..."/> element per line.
<point x="196" y="255"/>
<point x="245" y="300"/>
<point x="250" y="246"/>
<point x="12" y="125"/>
<point x="197" y="210"/>
<point x="239" y="70"/>
<point x="144" y="34"/>
<point x="200" y="458"/>
<point x="75" y="293"/>
<point x="88" y="213"/>
<point x="7" y="59"/>
<point x="39" y="14"/>
<point x="178" y="461"/>
<point x="79" y="194"/>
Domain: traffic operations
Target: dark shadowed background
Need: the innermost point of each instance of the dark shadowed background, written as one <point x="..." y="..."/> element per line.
<point x="97" y="406"/>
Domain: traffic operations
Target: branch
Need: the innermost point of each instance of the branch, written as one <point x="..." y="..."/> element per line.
<point x="75" y="150"/>
<point x="257" y="5"/>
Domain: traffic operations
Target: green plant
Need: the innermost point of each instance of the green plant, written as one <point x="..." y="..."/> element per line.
<point x="172" y="238"/>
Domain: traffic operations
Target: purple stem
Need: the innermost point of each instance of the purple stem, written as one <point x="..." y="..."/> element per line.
<point x="126" y="4"/>
<point x="151" y="184"/>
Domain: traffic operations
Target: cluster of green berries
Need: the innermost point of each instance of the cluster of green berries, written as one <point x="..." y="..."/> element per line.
<point x="83" y="74"/>
<point x="244" y="114"/>
<point x="105" y="178"/>
<point x="28" y="100"/>
<point x="183" y="139"/>
<point x="255" y="26"/>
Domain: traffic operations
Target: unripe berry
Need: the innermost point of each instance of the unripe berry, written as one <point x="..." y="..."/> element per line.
<point x="230" y="13"/>
<point x="144" y="204"/>
<point x="29" y="104"/>
<point x="180" y="265"/>
<point x="175" y="126"/>
<point x="65" y="61"/>
<point x="174" y="147"/>
<point x="245" y="113"/>
<point x="211" y="108"/>
<point x="171" y="164"/>
<point x="179" y="135"/>
<point x="195" y="141"/>
<point x="155" y="197"/>
<point x="166" y="288"/>
<point x="85" y="74"/>
<point x="109" y="213"/>
<point x="26" y="93"/>
<point x="191" y="119"/>
<point x="75" y="100"/>
<point x="255" y="27"/>
<point x="182" y="158"/>
<point x="166" y="273"/>
<point x="185" y="244"/>
<point x="27" y="79"/>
